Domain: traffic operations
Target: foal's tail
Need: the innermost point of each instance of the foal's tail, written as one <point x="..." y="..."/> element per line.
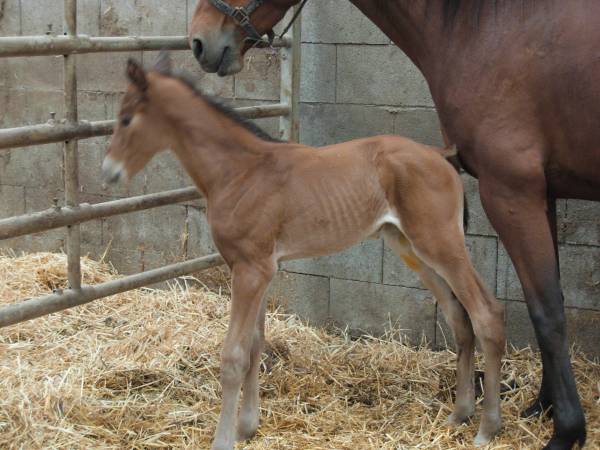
<point x="451" y="154"/>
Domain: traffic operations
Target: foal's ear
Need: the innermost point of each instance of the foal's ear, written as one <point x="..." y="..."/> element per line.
<point x="163" y="62"/>
<point x="136" y="75"/>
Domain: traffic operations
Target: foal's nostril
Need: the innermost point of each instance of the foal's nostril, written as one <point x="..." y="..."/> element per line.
<point x="197" y="48"/>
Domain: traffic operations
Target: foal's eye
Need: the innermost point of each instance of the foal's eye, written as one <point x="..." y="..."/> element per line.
<point x="125" y="121"/>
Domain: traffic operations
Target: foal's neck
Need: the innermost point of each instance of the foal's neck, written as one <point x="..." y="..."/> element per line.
<point x="212" y="147"/>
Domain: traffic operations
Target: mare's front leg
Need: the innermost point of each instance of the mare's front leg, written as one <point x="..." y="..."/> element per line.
<point x="249" y="283"/>
<point x="518" y="211"/>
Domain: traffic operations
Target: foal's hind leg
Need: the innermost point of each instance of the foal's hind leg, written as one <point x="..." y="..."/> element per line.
<point x="456" y="317"/>
<point x="249" y="282"/>
<point x="443" y="248"/>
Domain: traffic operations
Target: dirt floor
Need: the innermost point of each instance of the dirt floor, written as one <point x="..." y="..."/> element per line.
<point x="140" y="370"/>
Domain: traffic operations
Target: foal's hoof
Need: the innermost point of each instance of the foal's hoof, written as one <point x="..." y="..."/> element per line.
<point x="458" y="418"/>
<point x="246" y="431"/>
<point x="487" y="432"/>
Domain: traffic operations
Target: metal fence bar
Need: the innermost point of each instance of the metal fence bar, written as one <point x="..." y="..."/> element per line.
<point x="58" y="217"/>
<point x="71" y="157"/>
<point x="68" y="45"/>
<point x="41" y="306"/>
<point x="58" y="132"/>
<point x="289" y="128"/>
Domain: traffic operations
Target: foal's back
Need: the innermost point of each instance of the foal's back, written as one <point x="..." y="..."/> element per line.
<point x="338" y="195"/>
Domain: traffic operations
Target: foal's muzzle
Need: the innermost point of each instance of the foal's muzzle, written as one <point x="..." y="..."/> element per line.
<point x="112" y="170"/>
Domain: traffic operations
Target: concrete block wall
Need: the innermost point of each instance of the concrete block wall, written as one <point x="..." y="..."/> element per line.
<point x="354" y="84"/>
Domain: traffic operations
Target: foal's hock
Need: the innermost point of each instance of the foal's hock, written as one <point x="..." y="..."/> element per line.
<point x="269" y="201"/>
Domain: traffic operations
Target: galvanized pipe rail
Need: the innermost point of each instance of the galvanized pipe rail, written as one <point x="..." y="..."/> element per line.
<point x="58" y="217"/>
<point x="60" y="300"/>
<point x="71" y="45"/>
<point x="54" y="131"/>
<point x="72" y="129"/>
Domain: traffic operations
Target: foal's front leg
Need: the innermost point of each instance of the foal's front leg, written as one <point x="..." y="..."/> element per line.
<point x="249" y="416"/>
<point x="249" y="282"/>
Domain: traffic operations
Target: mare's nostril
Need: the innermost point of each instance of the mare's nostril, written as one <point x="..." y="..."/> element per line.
<point x="197" y="48"/>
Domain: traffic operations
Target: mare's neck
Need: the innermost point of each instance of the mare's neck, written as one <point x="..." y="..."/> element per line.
<point x="416" y="26"/>
<point x="212" y="147"/>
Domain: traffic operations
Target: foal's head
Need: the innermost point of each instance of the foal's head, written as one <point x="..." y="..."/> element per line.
<point x="142" y="129"/>
<point x="219" y="43"/>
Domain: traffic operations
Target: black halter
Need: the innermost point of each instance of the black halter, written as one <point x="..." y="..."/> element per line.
<point x="241" y="16"/>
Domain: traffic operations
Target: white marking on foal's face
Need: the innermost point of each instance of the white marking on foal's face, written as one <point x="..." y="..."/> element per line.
<point x="112" y="170"/>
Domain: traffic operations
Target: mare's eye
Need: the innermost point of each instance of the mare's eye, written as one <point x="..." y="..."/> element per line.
<point x="125" y="121"/>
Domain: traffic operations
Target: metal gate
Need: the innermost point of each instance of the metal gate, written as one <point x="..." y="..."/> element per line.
<point x="72" y="129"/>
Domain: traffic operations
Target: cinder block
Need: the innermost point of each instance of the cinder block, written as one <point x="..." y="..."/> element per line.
<point x="332" y="21"/>
<point x="200" y="241"/>
<point x="103" y="72"/>
<point x="39" y="166"/>
<point x="519" y="329"/>
<point x="317" y="73"/>
<point x="483" y="252"/>
<point x="322" y="124"/>
<point x="88" y="17"/>
<point x="37" y="15"/>
<point x="260" y="79"/>
<point x="420" y="124"/>
<point x="580" y="276"/>
<point x="361" y="262"/>
<point x="10" y="19"/>
<point x="370" y="307"/>
<point x="156" y="230"/>
<point x="379" y="75"/>
<point x="12" y="201"/>
<point x="478" y="221"/>
<point x="42" y="73"/>
<point x="123" y="260"/>
<point x="29" y="107"/>
<point x="143" y="17"/>
<point x="582" y="223"/>
<point x="304" y="295"/>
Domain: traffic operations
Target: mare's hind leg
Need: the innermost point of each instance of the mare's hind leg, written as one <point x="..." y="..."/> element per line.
<point x="442" y="247"/>
<point x="456" y="317"/>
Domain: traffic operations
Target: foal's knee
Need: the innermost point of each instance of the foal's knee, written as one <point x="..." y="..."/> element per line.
<point x="235" y="363"/>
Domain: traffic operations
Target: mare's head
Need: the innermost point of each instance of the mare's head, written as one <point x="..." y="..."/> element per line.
<point x="142" y="129"/>
<point x="219" y="41"/>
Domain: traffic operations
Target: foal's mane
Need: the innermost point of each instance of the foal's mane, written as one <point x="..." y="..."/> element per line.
<point x="217" y="103"/>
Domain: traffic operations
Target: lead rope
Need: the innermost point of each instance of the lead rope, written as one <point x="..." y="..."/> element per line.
<point x="298" y="11"/>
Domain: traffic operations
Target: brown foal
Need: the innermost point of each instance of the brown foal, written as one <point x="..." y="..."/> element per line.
<point x="269" y="201"/>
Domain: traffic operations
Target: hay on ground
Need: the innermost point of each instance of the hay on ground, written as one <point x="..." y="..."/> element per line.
<point x="140" y="370"/>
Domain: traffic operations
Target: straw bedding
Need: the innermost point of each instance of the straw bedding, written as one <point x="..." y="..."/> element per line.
<point x="140" y="370"/>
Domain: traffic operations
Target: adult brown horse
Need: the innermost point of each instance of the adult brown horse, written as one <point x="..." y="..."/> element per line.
<point x="517" y="88"/>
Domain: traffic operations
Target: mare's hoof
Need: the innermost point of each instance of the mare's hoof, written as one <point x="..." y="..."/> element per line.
<point x="537" y="409"/>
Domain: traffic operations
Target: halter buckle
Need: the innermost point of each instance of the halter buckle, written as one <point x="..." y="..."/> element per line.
<point x="240" y="15"/>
